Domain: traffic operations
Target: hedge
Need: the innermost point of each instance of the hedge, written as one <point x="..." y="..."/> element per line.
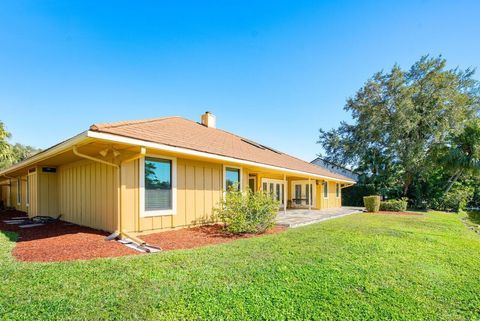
<point x="372" y="203"/>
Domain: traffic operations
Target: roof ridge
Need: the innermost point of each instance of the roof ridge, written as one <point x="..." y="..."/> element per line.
<point x="98" y="126"/>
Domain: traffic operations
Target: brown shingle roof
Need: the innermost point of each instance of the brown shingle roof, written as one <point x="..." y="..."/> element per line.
<point x="181" y="132"/>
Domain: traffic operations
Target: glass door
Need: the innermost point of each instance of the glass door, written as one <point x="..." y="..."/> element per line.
<point x="275" y="188"/>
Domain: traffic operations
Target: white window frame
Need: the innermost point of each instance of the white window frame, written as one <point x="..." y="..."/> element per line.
<point x="225" y="176"/>
<point x="19" y="191"/>
<point x="255" y="182"/>
<point x="173" y="210"/>
<point x="325" y="188"/>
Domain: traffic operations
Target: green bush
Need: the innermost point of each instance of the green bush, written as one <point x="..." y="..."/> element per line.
<point x="456" y="199"/>
<point x="372" y="203"/>
<point x="399" y="205"/>
<point x="247" y="212"/>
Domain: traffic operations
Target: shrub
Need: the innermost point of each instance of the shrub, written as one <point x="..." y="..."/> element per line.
<point x="399" y="205"/>
<point x="372" y="203"/>
<point x="247" y="213"/>
<point x="456" y="199"/>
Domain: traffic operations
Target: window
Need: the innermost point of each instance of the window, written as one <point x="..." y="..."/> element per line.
<point x="298" y="194"/>
<point x="325" y="189"/>
<point x="158" y="185"/>
<point x="27" y="193"/>
<point x="338" y="190"/>
<point x="277" y="191"/>
<point x="19" y="191"/>
<point x="232" y="178"/>
<point x="251" y="183"/>
<point x="265" y="186"/>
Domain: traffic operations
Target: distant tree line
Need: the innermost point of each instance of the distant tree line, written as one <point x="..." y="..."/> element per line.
<point x="12" y="154"/>
<point x="415" y="133"/>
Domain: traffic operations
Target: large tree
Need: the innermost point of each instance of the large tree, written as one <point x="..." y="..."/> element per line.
<point x="399" y="117"/>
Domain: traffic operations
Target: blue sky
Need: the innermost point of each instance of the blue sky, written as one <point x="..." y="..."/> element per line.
<point x="272" y="71"/>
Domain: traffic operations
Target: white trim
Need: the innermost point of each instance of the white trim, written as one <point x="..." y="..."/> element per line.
<point x="304" y="184"/>
<point x="225" y="176"/>
<point x="325" y="183"/>
<point x="284" y="197"/>
<point x="186" y="151"/>
<point x="50" y="152"/>
<point x="173" y="210"/>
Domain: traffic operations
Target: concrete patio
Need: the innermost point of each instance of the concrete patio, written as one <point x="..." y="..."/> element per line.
<point x="301" y="217"/>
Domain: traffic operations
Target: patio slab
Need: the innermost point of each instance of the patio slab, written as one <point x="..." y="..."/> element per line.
<point x="301" y="217"/>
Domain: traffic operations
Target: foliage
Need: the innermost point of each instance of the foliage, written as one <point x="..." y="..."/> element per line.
<point x="456" y="199"/>
<point x="247" y="212"/>
<point x="353" y="195"/>
<point x="372" y="203"/>
<point x="360" y="267"/>
<point x="399" y="205"/>
<point x="5" y="148"/>
<point x="403" y="120"/>
<point x="11" y="154"/>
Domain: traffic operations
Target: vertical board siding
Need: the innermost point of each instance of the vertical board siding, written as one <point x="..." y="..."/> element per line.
<point x="199" y="189"/>
<point x="87" y="194"/>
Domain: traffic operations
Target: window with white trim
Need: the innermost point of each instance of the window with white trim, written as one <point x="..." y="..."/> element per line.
<point x="19" y="191"/>
<point x="338" y="190"/>
<point x="158" y="186"/>
<point x="232" y="177"/>
<point x="325" y="189"/>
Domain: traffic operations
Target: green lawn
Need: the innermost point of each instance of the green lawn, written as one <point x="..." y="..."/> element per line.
<point x="358" y="267"/>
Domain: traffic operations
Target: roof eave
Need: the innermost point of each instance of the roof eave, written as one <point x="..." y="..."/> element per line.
<point x="47" y="153"/>
<point x="186" y="151"/>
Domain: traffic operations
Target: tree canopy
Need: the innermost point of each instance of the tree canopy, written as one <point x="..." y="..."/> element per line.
<point x="11" y="154"/>
<point x="401" y="119"/>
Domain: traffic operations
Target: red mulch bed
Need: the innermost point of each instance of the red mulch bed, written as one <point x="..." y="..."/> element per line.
<point x="188" y="238"/>
<point x="61" y="241"/>
<point x="400" y="213"/>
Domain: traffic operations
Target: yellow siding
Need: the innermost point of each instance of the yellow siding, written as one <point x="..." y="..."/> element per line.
<point x="5" y="194"/>
<point x="199" y="189"/>
<point x="87" y="194"/>
<point x="32" y="194"/>
<point x="332" y="201"/>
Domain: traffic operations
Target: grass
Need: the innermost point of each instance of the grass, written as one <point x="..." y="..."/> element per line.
<point x="361" y="267"/>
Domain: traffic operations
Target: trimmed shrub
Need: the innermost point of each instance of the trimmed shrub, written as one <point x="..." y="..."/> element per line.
<point x="247" y="212"/>
<point x="372" y="203"/>
<point x="394" y="205"/>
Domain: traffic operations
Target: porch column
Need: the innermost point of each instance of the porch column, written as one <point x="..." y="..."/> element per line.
<point x="285" y="194"/>
<point x="310" y="190"/>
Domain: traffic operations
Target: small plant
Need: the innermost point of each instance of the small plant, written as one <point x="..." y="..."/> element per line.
<point x="372" y="203"/>
<point x="399" y="205"/>
<point x="247" y="212"/>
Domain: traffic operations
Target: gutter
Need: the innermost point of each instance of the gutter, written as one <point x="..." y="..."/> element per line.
<point x="119" y="232"/>
<point x="191" y="152"/>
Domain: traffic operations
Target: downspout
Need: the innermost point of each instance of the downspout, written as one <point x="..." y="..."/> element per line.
<point x="119" y="231"/>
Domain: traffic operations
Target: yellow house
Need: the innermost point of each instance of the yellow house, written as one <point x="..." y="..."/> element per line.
<point x="155" y="174"/>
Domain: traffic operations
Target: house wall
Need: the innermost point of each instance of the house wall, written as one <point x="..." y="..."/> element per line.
<point x="87" y="194"/>
<point x="199" y="189"/>
<point x="4" y="193"/>
<point x="22" y="206"/>
<point x="332" y="201"/>
<point x="32" y="194"/>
